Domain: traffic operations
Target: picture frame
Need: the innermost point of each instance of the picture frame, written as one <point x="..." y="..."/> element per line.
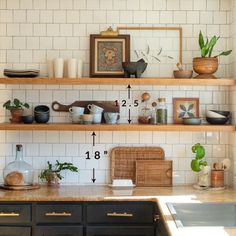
<point x="107" y="54"/>
<point x="185" y="107"/>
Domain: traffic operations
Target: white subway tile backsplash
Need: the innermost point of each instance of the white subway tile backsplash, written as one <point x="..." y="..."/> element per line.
<point x="32" y="31"/>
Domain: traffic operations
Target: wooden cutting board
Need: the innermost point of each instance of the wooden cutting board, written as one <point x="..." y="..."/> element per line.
<point x="153" y="173"/>
<point x="123" y="160"/>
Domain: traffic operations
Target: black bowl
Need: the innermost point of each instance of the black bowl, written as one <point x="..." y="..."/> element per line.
<point x="223" y="113"/>
<point x="28" y="119"/>
<point x="42" y="109"/>
<point x="217" y="121"/>
<point x="41" y="118"/>
<point x="134" y="68"/>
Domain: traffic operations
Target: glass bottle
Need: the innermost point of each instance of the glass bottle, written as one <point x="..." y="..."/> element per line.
<point x="18" y="172"/>
<point x="161" y="111"/>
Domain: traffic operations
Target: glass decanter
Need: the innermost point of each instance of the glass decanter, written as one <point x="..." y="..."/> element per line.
<point x="18" y="172"/>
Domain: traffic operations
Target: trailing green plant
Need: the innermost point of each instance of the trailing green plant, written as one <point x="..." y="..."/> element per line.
<point x="15" y="104"/>
<point x="208" y="46"/>
<point x="198" y="162"/>
<point x="56" y="169"/>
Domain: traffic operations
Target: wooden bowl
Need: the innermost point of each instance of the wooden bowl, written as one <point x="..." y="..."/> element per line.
<point x="205" y="65"/>
<point x="183" y="73"/>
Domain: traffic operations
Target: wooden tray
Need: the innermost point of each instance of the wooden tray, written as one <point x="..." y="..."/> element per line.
<point x="156" y="173"/>
<point x="27" y="187"/>
<point x="123" y="160"/>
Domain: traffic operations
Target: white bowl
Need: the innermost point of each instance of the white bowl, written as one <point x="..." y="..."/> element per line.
<point x="212" y="114"/>
<point x="122" y="182"/>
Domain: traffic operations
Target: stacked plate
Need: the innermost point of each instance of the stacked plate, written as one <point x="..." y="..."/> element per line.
<point x="21" y="73"/>
<point x="217" y="117"/>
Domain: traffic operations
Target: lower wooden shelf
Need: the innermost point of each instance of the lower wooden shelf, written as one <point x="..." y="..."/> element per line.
<point x="117" y="127"/>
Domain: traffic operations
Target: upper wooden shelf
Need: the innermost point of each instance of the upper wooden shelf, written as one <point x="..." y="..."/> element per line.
<point x="117" y="127"/>
<point x="119" y="81"/>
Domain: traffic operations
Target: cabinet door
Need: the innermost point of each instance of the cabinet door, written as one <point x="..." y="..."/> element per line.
<point x="58" y="231"/>
<point x="120" y="231"/>
<point x="15" y="231"/>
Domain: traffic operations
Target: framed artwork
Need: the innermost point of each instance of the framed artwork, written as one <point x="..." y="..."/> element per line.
<point x="107" y="54"/>
<point x="185" y="107"/>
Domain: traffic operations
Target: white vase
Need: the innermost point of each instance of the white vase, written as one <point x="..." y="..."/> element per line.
<point x="204" y="177"/>
<point x="72" y="68"/>
<point x="50" y="64"/>
<point x="58" y="67"/>
<point x="80" y="68"/>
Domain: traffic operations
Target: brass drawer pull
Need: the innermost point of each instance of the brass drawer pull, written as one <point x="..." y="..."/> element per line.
<point x="114" y="214"/>
<point x="58" y="214"/>
<point x="12" y="214"/>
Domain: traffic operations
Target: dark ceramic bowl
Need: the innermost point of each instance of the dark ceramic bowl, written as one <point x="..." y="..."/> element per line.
<point x="223" y="113"/>
<point x="28" y="119"/>
<point x="217" y="121"/>
<point x="41" y="109"/>
<point x="41" y="118"/>
<point x="192" y="121"/>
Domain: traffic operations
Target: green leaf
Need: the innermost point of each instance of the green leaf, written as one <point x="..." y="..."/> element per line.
<point x="204" y="51"/>
<point x="212" y="44"/>
<point x="195" y="165"/>
<point x="201" y="40"/>
<point x="26" y="105"/>
<point x="226" y="53"/>
<point x="16" y="102"/>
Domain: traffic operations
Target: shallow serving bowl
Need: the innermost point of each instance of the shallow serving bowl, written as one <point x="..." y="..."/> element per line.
<point x="183" y="73"/>
<point x="192" y="121"/>
<point x="217" y="121"/>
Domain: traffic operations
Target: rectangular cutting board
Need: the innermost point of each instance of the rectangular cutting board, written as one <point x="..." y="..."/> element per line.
<point x="153" y="173"/>
<point x="123" y="160"/>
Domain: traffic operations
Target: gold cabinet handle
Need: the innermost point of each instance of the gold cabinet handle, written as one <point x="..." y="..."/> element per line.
<point x="114" y="214"/>
<point x="63" y="214"/>
<point x="11" y="214"/>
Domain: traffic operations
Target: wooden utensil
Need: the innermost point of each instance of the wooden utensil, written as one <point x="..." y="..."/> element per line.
<point x="153" y="173"/>
<point x="123" y="160"/>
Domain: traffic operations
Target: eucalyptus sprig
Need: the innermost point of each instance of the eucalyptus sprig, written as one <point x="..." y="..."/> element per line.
<point x="208" y="46"/>
<point x="57" y="168"/>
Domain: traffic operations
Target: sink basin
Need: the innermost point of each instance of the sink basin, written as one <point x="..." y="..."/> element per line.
<point x="203" y="214"/>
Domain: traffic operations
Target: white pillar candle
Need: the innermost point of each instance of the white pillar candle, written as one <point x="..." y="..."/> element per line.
<point x="50" y="64"/>
<point x="80" y="68"/>
<point x="58" y="67"/>
<point x="72" y="68"/>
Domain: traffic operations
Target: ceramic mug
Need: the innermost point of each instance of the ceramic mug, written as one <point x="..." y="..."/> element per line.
<point x="75" y="118"/>
<point x="97" y="118"/>
<point x="76" y="110"/>
<point x="87" y="118"/>
<point x="94" y="109"/>
<point x="111" y="117"/>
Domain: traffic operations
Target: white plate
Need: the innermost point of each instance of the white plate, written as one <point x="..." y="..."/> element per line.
<point x="121" y="187"/>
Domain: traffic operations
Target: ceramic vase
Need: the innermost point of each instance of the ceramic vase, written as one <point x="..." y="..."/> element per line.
<point x="204" y="177"/>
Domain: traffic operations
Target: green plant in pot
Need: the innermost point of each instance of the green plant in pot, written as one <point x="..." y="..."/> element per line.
<point x="200" y="166"/>
<point x="52" y="175"/>
<point x="16" y="108"/>
<point x="207" y="64"/>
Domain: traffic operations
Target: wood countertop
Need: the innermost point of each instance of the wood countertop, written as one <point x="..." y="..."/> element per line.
<point x="160" y="195"/>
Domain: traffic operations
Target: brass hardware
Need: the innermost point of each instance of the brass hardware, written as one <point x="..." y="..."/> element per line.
<point x="114" y="214"/>
<point x="156" y="217"/>
<point x="58" y="214"/>
<point x="109" y="32"/>
<point x="12" y="214"/>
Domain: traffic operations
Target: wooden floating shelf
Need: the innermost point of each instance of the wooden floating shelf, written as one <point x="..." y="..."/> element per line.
<point x="119" y="81"/>
<point x="117" y="127"/>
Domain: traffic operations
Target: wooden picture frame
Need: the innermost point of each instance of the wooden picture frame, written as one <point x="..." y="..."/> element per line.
<point x="107" y="54"/>
<point x="185" y="107"/>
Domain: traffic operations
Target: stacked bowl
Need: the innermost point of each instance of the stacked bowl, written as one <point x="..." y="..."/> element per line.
<point x="215" y="117"/>
<point x="41" y="114"/>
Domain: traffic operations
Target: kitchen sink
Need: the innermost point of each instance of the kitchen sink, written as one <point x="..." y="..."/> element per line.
<point x="203" y="214"/>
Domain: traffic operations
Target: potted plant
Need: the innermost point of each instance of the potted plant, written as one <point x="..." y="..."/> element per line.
<point x="200" y="166"/>
<point x="53" y="173"/>
<point x="16" y="108"/>
<point x="207" y="64"/>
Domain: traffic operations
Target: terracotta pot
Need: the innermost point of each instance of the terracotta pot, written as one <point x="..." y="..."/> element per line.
<point x="16" y="115"/>
<point x="205" y="65"/>
<point x="217" y="178"/>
